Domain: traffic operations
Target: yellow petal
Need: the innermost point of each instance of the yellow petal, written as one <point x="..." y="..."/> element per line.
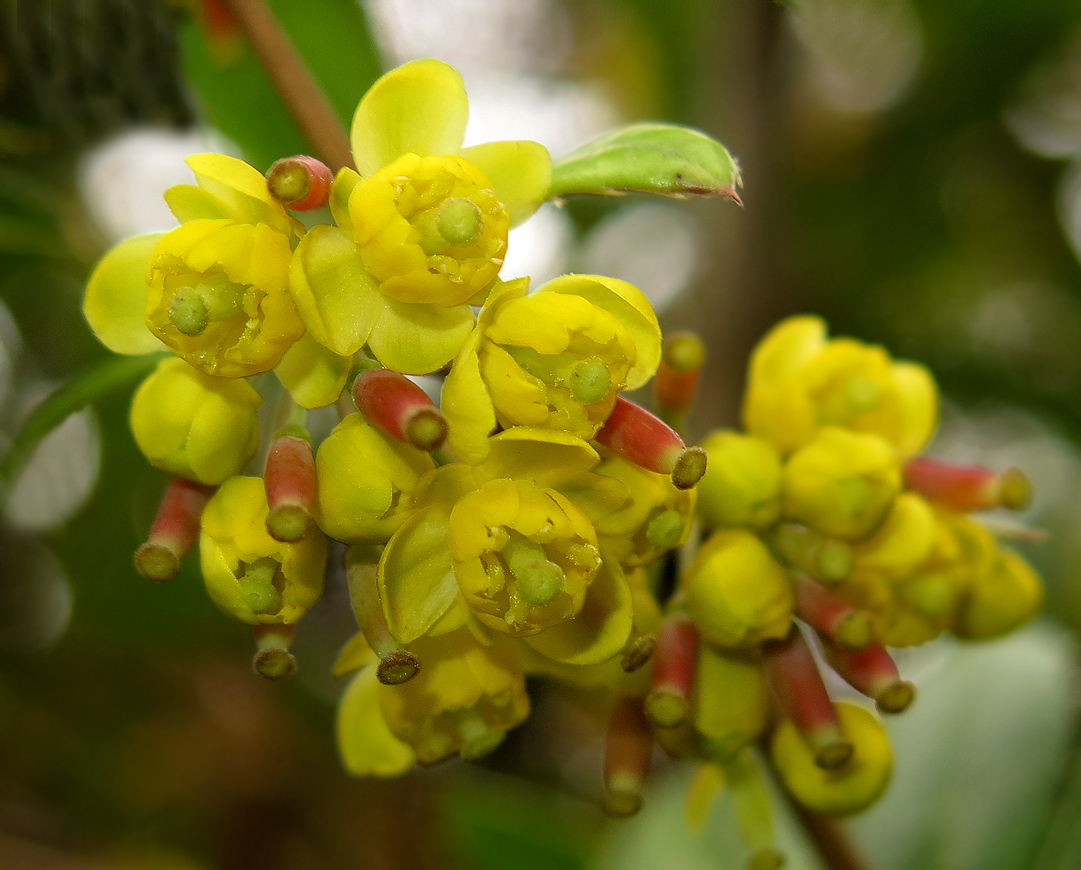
<point x="356" y="654"/>
<point x="418" y="108"/>
<point x="419" y="339"/>
<point x="115" y="301"/>
<point x="600" y="630"/>
<point x="190" y="203"/>
<point x="416" y="575"/>
<point x="546" y="457"/>
<point x="336" y="297"/>
<point x="364" y="740"/>
<point x="467" y="406"/>
<point x="917" y="400"/>
<point x="313" y="375"/>
<point x="520" y="172"/>
<point x="239" y="187"/>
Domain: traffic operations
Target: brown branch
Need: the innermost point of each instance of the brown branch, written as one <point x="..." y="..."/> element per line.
<point x="301" y="93"/>
<point x="834" y="846"/>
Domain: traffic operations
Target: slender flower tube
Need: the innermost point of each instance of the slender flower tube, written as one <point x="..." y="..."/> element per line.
<point x="627" y="753"/>
<point x="175" y="530"/>
<point x="672" y="676"/>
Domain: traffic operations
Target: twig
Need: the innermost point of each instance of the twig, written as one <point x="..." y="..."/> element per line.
<point x="831" y="840"/>
<point x="298" y="88"/>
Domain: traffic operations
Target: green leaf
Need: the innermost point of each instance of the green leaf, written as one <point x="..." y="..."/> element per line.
<point x="663" y="159"/>
<point x="112" y="374"/>
<point x="236" y="96"/>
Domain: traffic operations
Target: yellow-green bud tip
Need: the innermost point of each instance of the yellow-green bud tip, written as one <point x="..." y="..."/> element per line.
<point x="684" y="352"/>
<point x="274" y="663"/>
<point x="460" y="221"/>
<point x="188" y="311"/>
<point x="690" y="467"/>
<point x="288" y="522"/>
<point x="666" y="709"/>
<point x="1015" y="489"/>
<point x="624" y="796"/>
<point x="156" y="563"/>
<point x="664" y="530"/>
<point x="397" y="667"/>
<point x="426" y="429"/>
<point x="766" y="858"/>
<point x="854" y="632"/>
<point x="590" y="381"/>
<point x="896" y="698"/>
<point x="833" y="754"/>
<point x="638" y="653"/>
<point x="288" y="181"/>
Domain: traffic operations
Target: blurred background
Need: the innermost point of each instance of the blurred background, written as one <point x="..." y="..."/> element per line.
<point x="911" y="173"/>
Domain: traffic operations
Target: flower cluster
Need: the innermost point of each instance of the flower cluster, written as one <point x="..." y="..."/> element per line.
<point x="823" y="527"/>
<point x="522" y="525"/>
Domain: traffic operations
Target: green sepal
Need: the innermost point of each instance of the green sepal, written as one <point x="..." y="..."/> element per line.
<point x="663" y="159"/>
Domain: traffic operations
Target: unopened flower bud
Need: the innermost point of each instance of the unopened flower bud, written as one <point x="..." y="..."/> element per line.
<point x="737" y="593"/>
<point x="289" y="478"/>
<point x="174" y="532"/>
<point x="400" y="408"/>
<point x="193" y="425"/>
<point x="1000" y="599"/>
<point x="731" y="702"/>
<point x="300" y="183"/>
<point x="646" y="440"/>
<point x="742" y="483"/>
<point x="967" y="488"/>
<point x="627" y="755"/>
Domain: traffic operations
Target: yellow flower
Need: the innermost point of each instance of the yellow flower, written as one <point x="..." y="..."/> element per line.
<point x="464" y="699"/>
<point x="1006" y="595"/>
<point x="737" y="593"/>
<point x="248" y="574"/>
<point x="364" y="481"/>
<point x="499" y="545"/>
<point x="841" y="483"/>
<point x="555" y="359"/>
<point x="421" y="230"/>
<point x="799" y="381"/>
<point x="193" y="425"/>
<point x="839" y="791"/>
<point x="215" y="288"/>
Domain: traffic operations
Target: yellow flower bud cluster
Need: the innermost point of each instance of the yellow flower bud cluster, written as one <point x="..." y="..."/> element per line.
<point x="820" y="520"/>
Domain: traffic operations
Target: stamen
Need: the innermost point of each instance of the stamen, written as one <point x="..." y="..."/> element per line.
<point x="174" y="532"/>
<point x="873" y="672"/>
<point x="968" y="487"/>
<point x="301" y="183"/>
<point x="675" y="662"/>
<point x="831" y="615"/>
<point x="401" y="409"/>
<point x="273" y="659"/>
<point x="289" y="478"/>
<point x="626" y="758"/>
<point x="396" y="665"/>
<point x="637" y="653"/>
<point x="798" y="687"/>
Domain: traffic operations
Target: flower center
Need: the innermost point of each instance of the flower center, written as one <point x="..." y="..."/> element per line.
<point x="539" y="579"/>
<point x="191" y="309"/>
<point x="257" y="585"/>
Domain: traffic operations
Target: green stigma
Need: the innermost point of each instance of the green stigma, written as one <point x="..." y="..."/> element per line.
<point x="257" y="586"/>
<point x="539" y="580"/>
<point x="589" y="381"/>
<point x="862" y="394"/>
<point x="664" y="530"/>
<point x="188" y="312"/>
<point x="460" y="220"/>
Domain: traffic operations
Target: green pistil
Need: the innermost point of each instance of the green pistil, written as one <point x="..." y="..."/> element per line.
<point x="257" y="586"/>
<point x="539" y="580"/>
<point x="460" y="221"/>
<point x="192" y="309"/>
<point x="664" y="529"/>
<point x="862" y="394"/>
<point x="589" y="381"/>
<point x="188" y="312"/>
